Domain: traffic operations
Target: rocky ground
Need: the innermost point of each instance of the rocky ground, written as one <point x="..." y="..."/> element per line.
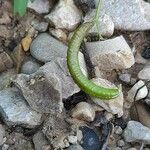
<point x="41" y="108"/>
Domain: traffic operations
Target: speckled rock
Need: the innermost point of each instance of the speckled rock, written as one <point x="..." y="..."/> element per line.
<point x="106" y="24"/>
<point x="15" y="111"/>
<point x="144" y="74"/>
<point x="115" y="106"/>
<point x="130" y="15"/>
<point x="111" y="54"/>
<point x="30" y="66"/>
<point x="142" y="93"/>
<point x="65" y="15"/>
<point x="135" y="131"/>
<point x="83" y="111"/>
<point x="46" y="48"/>
<point x="40" y="6"/>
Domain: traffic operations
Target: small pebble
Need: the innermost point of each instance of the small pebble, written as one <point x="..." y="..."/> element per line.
<point x="75" y="147"/>
<point x="117" y="148"/>
<point x="39" y="26"/>
<point x="121" y="143"/>
<point x="132" y="148"/>
<point x="26" y="42"/>
<point x="118" y="130"/>
<point x="125" y="78"/>
<point x="5" y="147"/>
<point x="72" y="139"/>
<point x="146" y="53"/>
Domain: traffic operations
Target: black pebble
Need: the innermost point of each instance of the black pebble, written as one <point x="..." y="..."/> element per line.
<point x="90" y="139"/>
<point x="146" y="53"/>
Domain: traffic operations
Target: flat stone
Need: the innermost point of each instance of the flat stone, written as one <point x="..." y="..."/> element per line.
<point x="135" y="131"/>
<point x="111" y="54"/>
<point x="46" y="48"/>
<point x="65" y="15"/>
<point x="39" y="141"/>
<point x="142" y="93"/>
<point x="83" y="111"/>
<point x="43" y="93"/>
<point x="129" y="15"/>
<point x="114" y="106"/>
<point x="15" y="111"/>
<point x="106" y="25"/>
<point x="2" y="134"/>
<point x="144" y="74"/>
<point x="39" y="6"/>
<point x="30" y="66"/>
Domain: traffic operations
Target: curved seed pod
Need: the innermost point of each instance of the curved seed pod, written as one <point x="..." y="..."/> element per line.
<point x="73" y="65"/>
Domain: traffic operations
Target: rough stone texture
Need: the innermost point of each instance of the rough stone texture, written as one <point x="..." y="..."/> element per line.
<point x="135" y="131"/>
<point x="83" y="111"/>
<point x="15" y="111"/>
<point x="16" y="141"/>
<point x="72" y="139"/>
<point x="106" y="25"/>
<point x="39" y="26"/>
<point x="43" y="92"/>
<point x="115" y="106"/>
<point x="111" y="54"/>
<point x="5" y="78"/>
<point x="142" y="93"/>
<point x="59" y="67"/>
<point x="45" y="48"/>
<point x="56" y="130"/>
<point x="40" y="6"/>
<point x="128" y="15"/>
<point x="144" y="74"/>
<point x="65" y="15"/>
<point x="30" y="66"/>
<point x="2" y="134"/>
<point x="39" y="141"/>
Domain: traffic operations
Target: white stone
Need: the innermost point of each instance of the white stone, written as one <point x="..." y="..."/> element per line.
<point x="130" y="15"/>
<point x="111" y="54"/>
<point x="106" y="25"/>
<point x="84" y="111"/>
<point x="135" y="131"/>
<point x="144" y="74"/>
<point x="114" y="106"/>
<point x="72" y="139"/>
<point x="65" y="15"/>
<point x="142" y="93"/>
<point x="40" y="6"/>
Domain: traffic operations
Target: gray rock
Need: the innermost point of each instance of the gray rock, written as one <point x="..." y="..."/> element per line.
<point x="39" y="141"/>
<point x="106" y="25"/>
<point x="125" y="78"/>
<point x="83" y="111"/>
<point x="135" y="131"/>
<point x="43" y="92"/>
<point x="2" y="134"/>
<point x="75" y="147"/>
<point x="128" y="15"/>
<point x="142" y="93"/>
<point x="121" y="143"/>
<point x="5" y="147"/>
<point x="65" y="15"/>
<point x="72" y="139"/>
<point x="115" y="106"/>
<point x="118" y="130"/>
<point x="59" y="67"/>
<point x="45" y="48"/>
<point x="132" y="148"/>
<point x="144" y="74"/>
<point x="39" y="26"/>
<point x="15" y="111"/>
<point x="39" y="6"/>
<point x="117" y="148"/>
<point x="111" y="54"/>
<point x="30" y="66"/>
